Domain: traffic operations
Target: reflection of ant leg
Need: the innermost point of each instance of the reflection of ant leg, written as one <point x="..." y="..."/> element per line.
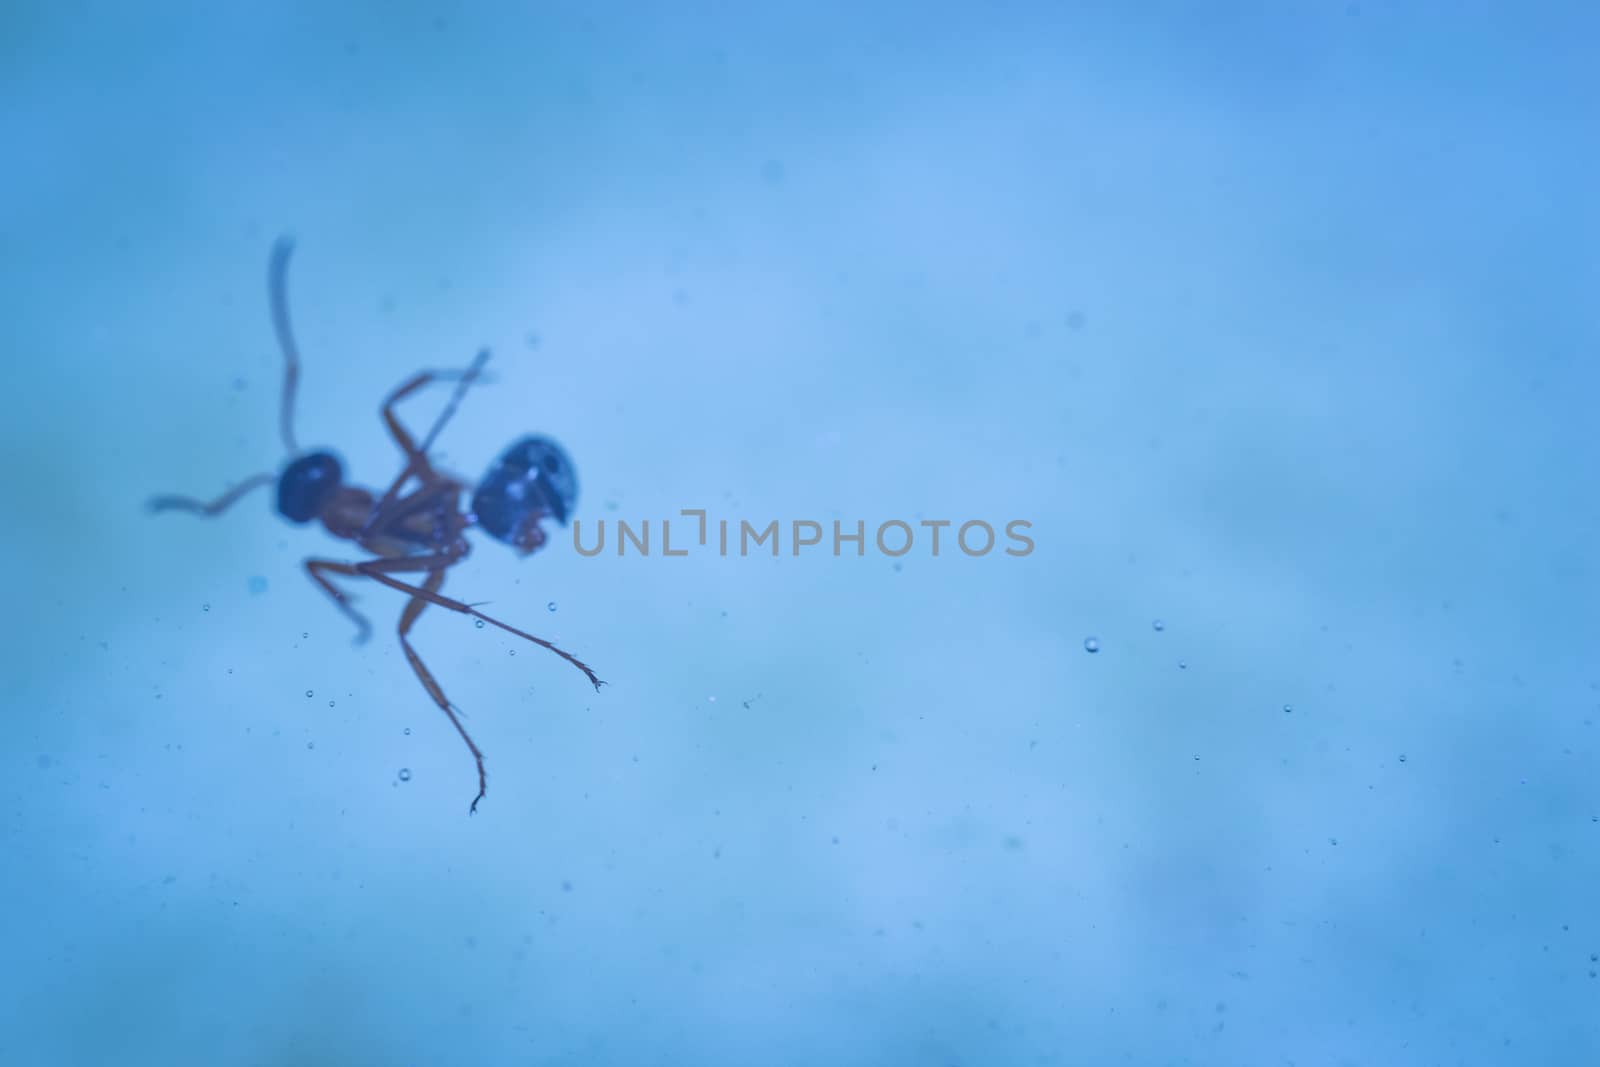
<point x="213" y="507"/>
<point x="379" y="570"/>
<point x="341" y="599"/>
<point x="413" y="609"/>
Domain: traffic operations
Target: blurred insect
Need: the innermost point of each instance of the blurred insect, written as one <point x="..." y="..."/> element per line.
<point x="418" y="530"/>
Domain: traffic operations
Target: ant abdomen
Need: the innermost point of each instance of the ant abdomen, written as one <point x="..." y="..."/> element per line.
<point x="532" y="480"/>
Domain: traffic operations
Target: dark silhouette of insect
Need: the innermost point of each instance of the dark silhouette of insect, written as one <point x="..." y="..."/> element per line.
<point x="408" y="530"/>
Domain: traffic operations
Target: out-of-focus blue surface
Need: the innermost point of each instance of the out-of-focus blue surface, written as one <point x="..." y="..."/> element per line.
<point x="1277" y="321"/>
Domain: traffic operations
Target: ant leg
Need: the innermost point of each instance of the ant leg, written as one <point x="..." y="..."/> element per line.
<point x="417" y="455"/>
<point x="278" y="297"/>
<point x="341" y="600"/>
<point x="408" y="617"/>
<point x="386" y="513"/>
<point x="213" y="507"/>
<point x="379" y="570"/>
<point x="464" y="380"/>
<point x="473" y="373"/>
<point x="417" y="465"/>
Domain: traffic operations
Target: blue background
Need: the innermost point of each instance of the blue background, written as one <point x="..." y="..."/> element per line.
<point x="1276" y="320"/>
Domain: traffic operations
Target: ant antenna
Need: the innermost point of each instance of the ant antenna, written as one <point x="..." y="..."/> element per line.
<point x="278" y="287"/>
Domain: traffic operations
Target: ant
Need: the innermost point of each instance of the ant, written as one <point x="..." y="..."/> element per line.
<point x="420" y="531"/>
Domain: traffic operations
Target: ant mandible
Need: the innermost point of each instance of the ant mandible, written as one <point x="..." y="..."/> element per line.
<point x="420" y="531"/>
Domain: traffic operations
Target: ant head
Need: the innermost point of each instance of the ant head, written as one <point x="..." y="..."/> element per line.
<point x="306" y="484"/>
<point x="532" y="480"/>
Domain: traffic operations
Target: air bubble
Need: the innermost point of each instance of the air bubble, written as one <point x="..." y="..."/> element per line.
<point x="205" y="607"/>
<point x="257" y="585"/>
<point x="405" y="774"/>
<point x="478" y="623"/>
<point x="1288" y="709"/>
<point x="408" y="731"/>
<point x="1091" y="644"/>
<point x="309" y="694"/>
<point x="551" y="605"/>
<point x="1158" y="626"/>
<point x="311" y="744"/>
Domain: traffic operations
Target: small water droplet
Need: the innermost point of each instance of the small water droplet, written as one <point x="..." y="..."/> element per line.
<point x="1158" y="626"/>
<point x="478" y="623"/>
<point x="408" y="731"/>
<point x="1288" y="709"/>
<point x="1183" y="664"/>
<point x="405" y="774"/>
<point x="330" y="703"/>
<point x="304" y="634"/>
<point x="311" y="744"/>
<point x="551" y="605"/>
<point x="1091" y="644"/>
<point x="205" y="607"/>
<point x="1402" y="757"/>
<point x="309" y="693"/>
